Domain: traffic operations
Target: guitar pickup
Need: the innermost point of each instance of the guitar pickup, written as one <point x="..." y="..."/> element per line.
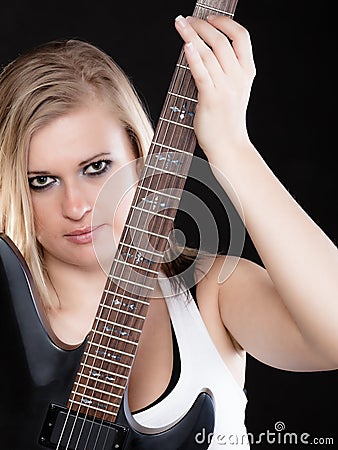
<point x="67" y="429"/>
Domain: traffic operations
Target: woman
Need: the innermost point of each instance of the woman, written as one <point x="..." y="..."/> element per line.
<point x="68" y="118"/>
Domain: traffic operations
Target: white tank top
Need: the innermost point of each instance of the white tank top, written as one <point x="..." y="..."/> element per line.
<point x="202" y="370"/>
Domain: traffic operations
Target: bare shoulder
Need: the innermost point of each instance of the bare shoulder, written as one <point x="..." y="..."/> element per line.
<point x="223" y="285"/>
<point x="233" y="282"/>
<point x="223" y="272"/>
<point x="224" y="279"/>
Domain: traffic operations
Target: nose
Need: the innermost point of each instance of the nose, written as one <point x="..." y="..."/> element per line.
<point x="76" y="202"/>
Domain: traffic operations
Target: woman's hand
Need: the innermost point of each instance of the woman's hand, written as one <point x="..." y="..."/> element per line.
<point x="223" y="73"/>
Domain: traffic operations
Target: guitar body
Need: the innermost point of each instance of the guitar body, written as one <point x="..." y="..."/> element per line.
<point x="37" y="374"/>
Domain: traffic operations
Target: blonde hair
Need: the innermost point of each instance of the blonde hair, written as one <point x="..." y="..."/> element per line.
<point x="35" y="88"/>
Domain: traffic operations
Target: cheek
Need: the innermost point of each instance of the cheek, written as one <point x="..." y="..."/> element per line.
<point x="113" y="203"/>
<point x="106" y="243"/>
<point x="44" y="218"/>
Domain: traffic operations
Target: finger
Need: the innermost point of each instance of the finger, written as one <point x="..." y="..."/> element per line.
<point x="205" y="56"/>
<point x="217" y="41"/>
<point x="197" y="67"/>
<point x="240" y="37"/>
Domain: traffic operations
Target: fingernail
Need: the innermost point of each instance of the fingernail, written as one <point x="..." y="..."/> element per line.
<point x="181" y="21"/>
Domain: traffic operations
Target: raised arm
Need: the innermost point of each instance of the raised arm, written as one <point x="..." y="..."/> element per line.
<point x="301" y="284"/>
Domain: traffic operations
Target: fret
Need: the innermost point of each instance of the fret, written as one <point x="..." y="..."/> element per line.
<point x="132" y="306"/>
<point x="152" y="236"/>
<point x="109" y="376"/>
<point x="170" y="196"/>
<point x="96" y="376"/>
<point x="184" y="97"/>
<point x="221" y="7"/>
<point x="117" y="363"/>
<point x="176" y="137"/>
<point x="104" y="376"/>
<point x="181" y="109"/>
<point x="121" y="311"/>
<point x="183" y="82"/>
<point x="134" y="253"/>
<point x="98" y="413"/>
<point x="148" y="232"/>
<point x="123" y="302"/>
<point x="126" y="297"/>
<point x="110" y="339"/>
<point x="120" y="330"/>
<point x="126" y="262"/>
<point x="181" y="66"/>
<point x="86" y="409"/>
<point x="111" y="367"/>
<point x="101" y="333"/>
<point x="138" y="208"/>
<point x="160" y="145"/>
<point x="99" y="382"/>
<point x="134" y="266"/>
<point x="141" y="249"/>
<point x="117" y="330"/>
<point x="114" y="349"/>
<point x="214" y="10"/>
<point x="128" y="282"/>
<point x="83" y="386"/>
<point x="94" y="404"/>
<point x="126" y="345"/>
<point x="179" y="112"/>
<point x="161" y="183"/>
<point x="158" y="169"/>
<point x="170" y="161"/>
<point x="143" y="267"/>
<point x="151" y="222"/>
<point x="176" y="123"/>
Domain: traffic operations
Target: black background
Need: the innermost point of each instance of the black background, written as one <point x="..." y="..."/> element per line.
<point x="290" y="120"/>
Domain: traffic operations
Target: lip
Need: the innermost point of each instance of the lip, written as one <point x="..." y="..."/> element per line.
<point x="82" y="235"/>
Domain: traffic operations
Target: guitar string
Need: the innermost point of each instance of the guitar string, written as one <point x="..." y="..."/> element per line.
<point x="163" y="124"/>
<point x="149" y="212"/>
<point x="160" y="130"/>
<point x="181" y="127"/>
<point x="87" y="384"/>
<point x="93" y="388"/>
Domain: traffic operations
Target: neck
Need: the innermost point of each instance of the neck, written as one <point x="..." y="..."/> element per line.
<point x="72" y="286"/>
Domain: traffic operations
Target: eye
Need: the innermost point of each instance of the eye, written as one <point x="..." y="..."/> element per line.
<point x="97" y="167"/>
<point x="41" y="182"/>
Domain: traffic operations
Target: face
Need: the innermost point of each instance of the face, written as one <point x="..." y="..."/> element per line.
<point x="70" y="160"/>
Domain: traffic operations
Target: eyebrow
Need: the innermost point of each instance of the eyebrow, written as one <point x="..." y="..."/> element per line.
<point x="82" y="163"/>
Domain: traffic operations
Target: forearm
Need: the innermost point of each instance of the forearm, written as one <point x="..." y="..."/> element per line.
<point x="300" y="259"/>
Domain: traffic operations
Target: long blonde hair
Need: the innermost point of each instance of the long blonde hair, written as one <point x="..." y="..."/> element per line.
<point x="35" y="88"/>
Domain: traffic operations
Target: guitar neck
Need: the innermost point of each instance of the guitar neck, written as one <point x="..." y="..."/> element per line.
<point x="111" y="346"/>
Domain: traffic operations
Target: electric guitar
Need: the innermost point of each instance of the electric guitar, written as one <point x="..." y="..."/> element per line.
<point x="73" y="399"/>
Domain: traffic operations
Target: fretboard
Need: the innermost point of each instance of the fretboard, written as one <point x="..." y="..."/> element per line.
<point x="112" y="344"/>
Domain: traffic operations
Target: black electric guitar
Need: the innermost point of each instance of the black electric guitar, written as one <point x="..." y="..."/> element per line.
<point x="58" y="398"/>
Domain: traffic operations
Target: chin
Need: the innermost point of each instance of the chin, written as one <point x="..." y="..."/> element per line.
<point x="104" y="249"/>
